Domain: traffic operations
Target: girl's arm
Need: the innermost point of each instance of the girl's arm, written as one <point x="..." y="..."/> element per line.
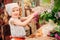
<point x="25" y="22"/>
<point x="24" y="18"/>
<point x="36" y="10"/>
<point x="29" y="18"/>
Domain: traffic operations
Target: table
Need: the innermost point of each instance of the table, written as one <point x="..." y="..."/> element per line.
<point x="42" y="38"/>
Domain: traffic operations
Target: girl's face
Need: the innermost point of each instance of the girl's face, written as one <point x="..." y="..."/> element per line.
<point x="15" y="12"/>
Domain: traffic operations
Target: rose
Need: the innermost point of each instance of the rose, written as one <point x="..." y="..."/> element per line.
<point x="57" y="36"/>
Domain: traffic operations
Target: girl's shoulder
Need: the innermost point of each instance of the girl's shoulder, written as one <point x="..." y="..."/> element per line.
<point x="11" y="19"/>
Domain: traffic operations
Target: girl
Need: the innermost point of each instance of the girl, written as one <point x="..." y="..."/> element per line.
<point x="16" y="25"/>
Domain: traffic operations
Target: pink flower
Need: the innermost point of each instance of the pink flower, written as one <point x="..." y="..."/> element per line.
<point x="35" y="14"/>
<point x="57" y="36"/>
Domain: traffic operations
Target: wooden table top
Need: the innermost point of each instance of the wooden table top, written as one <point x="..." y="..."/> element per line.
<point x="42" y="38"/>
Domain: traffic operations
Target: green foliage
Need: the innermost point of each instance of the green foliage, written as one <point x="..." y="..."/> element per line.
<point x="58" y="28"/>
<point x="56" y="6"/>
<point x="46" y="1"/>
<point x="52" y="15"/>
<point x="52" y="34"/>
<point x="46" y="16"/>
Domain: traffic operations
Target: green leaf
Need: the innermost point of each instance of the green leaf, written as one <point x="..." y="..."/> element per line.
<point x="42" y="15"/>
<point x="40" y="21"/>
<point x="52" y="34"/>
<point x="57" y="28"/>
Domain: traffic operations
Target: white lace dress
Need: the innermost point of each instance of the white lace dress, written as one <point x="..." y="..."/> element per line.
<point x="16" y="31"/>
